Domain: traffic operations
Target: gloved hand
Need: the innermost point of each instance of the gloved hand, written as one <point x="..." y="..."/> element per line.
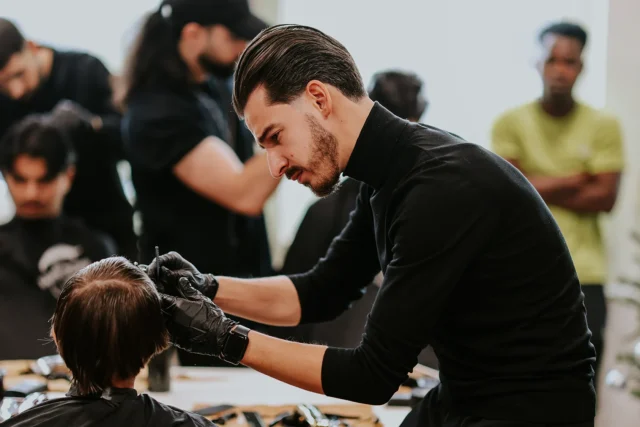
<point x="195" y="323"/>
<point x="72" y="117"/>
<point x="173" y="267"/>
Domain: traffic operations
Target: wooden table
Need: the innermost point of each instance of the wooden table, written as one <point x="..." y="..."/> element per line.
<point x="237" y="386"/>
<point x="198" y="387"/>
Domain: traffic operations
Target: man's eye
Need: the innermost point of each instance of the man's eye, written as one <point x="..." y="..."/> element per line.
<point x="275" y="137"/>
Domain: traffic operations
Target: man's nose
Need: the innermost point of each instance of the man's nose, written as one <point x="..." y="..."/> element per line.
<point x="17" y="89"/>
<point x="32" y="190"/>
<point x="277" y="164"/>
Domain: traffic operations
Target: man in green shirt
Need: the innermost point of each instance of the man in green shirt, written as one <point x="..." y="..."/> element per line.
<point x="573" y="155"/>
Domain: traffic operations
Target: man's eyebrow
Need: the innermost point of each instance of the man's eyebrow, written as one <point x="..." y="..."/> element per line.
<point x="264" y="133"/>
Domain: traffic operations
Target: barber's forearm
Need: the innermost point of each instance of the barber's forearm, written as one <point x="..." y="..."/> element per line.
<point x="293" y="363"/>
<point x="257" y="184"/>
<point x="270" y="300"/>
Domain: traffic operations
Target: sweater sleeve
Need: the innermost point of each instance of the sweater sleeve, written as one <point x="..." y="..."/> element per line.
<point x="339" y="278"/>
<point x="435" y="234"/>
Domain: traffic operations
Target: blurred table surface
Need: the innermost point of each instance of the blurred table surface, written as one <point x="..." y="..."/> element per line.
<point x="192" y="387"/>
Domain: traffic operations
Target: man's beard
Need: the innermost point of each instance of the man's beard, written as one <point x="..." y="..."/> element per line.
<point x="323" y="163"/>
<point x="218" y="70"/>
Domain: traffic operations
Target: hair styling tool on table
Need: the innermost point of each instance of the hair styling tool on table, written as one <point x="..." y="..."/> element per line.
<point x="253" y="419"/>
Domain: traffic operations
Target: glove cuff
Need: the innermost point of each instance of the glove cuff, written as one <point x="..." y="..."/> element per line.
<point x="211" y="289"/>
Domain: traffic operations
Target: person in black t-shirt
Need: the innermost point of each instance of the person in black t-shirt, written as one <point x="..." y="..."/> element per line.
<point x="37" y="79"/>
<point x="107" y="325"/>
<point x="193" y="167"/>
<point x="39" y="248"/>
<point x="473" y="262"/>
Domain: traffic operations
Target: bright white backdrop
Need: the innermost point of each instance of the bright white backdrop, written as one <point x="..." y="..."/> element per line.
<point x="475" y="56"/>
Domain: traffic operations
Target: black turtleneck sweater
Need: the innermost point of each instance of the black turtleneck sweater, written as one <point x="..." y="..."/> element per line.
<point x="473" y="264"/>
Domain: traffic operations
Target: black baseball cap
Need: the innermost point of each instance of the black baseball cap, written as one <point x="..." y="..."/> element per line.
<point x="233" y="14"/>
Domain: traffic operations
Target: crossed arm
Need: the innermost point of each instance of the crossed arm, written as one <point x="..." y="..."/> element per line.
<point x="581" y="193"/>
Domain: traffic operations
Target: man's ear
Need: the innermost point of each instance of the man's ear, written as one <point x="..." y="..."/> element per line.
<point x="31" y="46"/>
<point x="70" y="175"/>
<point x="320" y="96"/>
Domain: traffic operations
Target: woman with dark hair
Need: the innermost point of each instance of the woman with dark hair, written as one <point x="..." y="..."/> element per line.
<point x="107" y="325"/>
<point x="192" y="161"/>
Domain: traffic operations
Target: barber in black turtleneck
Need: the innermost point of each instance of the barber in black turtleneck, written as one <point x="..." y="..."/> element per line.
<point x="40" y="248"/>
<point x="473" y="261"/>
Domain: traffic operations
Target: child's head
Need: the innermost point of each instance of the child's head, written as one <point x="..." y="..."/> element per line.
<point x="108" y="324"/>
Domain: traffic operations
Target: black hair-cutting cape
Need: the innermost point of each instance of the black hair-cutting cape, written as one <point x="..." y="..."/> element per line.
<point x="113" y="408"/>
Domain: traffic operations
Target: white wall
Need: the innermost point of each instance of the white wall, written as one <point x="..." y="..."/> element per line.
<point x="102" y="27"/>
<point x="616" y="407"/>
<point x="623" y="99"/>
<point x="476" y="57"/>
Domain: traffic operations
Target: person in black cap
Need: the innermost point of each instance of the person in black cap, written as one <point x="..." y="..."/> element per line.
<point x="193" y="167"/>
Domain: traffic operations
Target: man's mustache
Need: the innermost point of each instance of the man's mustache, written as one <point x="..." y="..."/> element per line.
<point x="292" y="171"/>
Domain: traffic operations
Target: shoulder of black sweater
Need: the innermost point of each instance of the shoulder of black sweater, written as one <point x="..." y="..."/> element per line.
<point x="430" y="152"/>
<point x="78" y="62"/>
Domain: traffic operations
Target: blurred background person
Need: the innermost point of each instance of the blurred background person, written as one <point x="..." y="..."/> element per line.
<point x="193" y="168"/>
<point x="40" y="248"/>
<point x="108" y="312"/>
<point x="38" y="79"/>
<point x="573" y="155"/>
<point x="401" y="93"/>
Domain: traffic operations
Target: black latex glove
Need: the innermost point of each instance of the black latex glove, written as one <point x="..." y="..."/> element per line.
<point x="195" y="323"/>
<point x="173" y="267"/>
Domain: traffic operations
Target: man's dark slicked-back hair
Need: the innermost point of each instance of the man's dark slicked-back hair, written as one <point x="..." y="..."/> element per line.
<point x="284" y="58"/>
<point x="108" y="324"/>
<point x="12" y="41"/>
<point x="565" y="29"/>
